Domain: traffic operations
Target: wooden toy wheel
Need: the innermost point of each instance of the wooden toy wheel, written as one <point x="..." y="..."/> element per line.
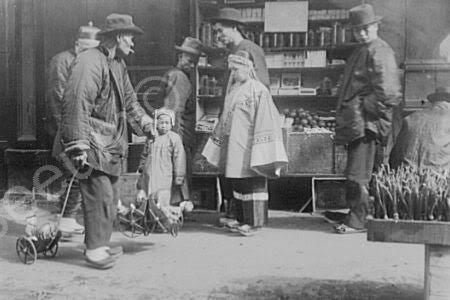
<point x="51" y="252"/>
<point x="26" y="250"/>
<point x="129" y="228"/>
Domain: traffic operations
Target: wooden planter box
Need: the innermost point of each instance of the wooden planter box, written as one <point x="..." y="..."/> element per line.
<point x="436" y="238"/>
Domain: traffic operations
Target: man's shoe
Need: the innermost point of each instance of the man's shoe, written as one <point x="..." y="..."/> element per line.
<point x="115" y="252"/>
<point x="102" y="264"/>
<point x="334" y="217"/>
<point x="70" y="225"/>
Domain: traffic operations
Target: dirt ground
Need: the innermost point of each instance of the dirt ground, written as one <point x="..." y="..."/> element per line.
<point x="294" y="257"/>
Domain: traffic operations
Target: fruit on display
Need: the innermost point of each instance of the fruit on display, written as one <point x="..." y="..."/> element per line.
<point x="305" y="120"/>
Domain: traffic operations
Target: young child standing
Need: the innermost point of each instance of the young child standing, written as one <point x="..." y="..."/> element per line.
<point x="162" y="164"/>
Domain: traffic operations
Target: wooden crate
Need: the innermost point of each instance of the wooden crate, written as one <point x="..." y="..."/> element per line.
<point x="328" y="193"/>
<point x="409" y="231"/>
<point x="310" y="153"/>
<point x="435" y="236"/>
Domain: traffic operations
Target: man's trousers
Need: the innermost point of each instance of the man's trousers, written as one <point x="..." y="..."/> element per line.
<point x="360" y="164"/>
<point x="100" y="197"/>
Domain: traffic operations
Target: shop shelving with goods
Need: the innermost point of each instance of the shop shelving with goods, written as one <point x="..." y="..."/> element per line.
<point x="305" y="67"/>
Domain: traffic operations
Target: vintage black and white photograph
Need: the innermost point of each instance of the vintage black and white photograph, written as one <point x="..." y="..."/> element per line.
<point x="225" y="149"/>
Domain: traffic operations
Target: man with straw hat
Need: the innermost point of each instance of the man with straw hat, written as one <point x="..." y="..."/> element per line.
<point x="370" y="92"/>
<point x="98" y="101"/>
<point x="424" y="139"/>
<point x="176" y="91"/>
<point x="57" y="74"/>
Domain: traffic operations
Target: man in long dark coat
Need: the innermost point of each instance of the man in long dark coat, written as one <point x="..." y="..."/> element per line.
<point x="98" y="101"/>
<point x="370" y="91"/>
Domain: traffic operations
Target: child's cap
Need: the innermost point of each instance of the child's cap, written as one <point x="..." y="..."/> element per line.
<point x="167" y="112"/>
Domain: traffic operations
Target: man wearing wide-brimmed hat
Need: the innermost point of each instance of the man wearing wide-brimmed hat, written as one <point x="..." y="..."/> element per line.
<point x="228" y="27"/>
<point x="370" y="92"/>
<point x="176" y="90"/>
<point x="424" y="139"/>
<point x="57" y="75"/>
<point x="98" y="101"/>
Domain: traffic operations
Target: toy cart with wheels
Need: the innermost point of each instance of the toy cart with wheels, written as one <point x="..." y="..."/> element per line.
<point x="43" y="240"/>
<point x="148" y="218"/>
<point x="28" y="247"/>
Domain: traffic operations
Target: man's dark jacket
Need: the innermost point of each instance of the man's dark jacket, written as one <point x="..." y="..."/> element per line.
<point x="98" y="100"/>
<point x="369" y="92"/>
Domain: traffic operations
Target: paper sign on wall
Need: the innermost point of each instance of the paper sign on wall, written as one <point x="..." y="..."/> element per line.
<point x="290" y="16"/>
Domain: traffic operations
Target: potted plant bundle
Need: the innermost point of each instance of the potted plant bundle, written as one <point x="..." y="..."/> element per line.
<point x="413" y="206"/>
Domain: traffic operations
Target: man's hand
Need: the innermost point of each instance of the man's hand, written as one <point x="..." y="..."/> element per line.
<point x="79" y="159"/>
<point x="179" y="180"/>
<point x="148" y="126"/>
<point x="369" y="136"/>
<point x="140" y="197"/>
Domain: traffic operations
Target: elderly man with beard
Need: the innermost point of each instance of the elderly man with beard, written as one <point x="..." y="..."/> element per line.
<point x="98" y="101"/>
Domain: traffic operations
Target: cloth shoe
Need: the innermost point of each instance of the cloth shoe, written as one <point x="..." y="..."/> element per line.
<point x="115" y="252"/>
<point x="70" y="225"/>
<point x="99" y="258"/>
<point x="102" y="264"/>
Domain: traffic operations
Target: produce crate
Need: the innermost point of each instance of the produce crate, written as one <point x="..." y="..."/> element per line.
<point x="409" y="231"/>
<point x="328" y="193"/>
<point x="310" y="153"/>
<point x="340" y="159"/>
<point x="435" y="236"/>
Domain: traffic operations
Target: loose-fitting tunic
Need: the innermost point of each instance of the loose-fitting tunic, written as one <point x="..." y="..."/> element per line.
<point x="247" y="141"/>
<point x="161" y="161"/>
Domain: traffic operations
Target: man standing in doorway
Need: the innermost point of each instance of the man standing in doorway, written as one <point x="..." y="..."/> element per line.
<point x="370" y="92"/>
<point x="57" y="75"/>
<point x="98" y="101"/>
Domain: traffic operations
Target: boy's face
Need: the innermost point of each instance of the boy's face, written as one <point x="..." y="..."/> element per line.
<point x="163" y="124"/>
<point x="224" y="33"/>
<point x="367" y="33"/>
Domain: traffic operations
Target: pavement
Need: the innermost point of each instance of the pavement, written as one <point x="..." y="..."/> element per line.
<point x="297" y="256"/>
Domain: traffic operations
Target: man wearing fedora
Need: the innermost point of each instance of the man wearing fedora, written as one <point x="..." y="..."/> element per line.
<point x="57" y="74"/>
<point x="228" y="27"/>
<point x="369" y="93"/>
<point x="98" y="101"/>
<point x="424" y="139"/>
<point x="177" y="94"/>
